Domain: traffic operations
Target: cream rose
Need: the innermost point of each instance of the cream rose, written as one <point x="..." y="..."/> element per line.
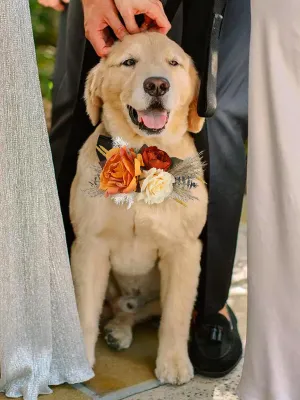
<point x="156" y="186"/>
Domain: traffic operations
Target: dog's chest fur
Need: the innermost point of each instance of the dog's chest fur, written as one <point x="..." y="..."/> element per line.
<point x="135" y="235"/>
<point x="134" y="238"/>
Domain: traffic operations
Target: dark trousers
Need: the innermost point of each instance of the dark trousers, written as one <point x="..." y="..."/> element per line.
<point x="222" y="139"/>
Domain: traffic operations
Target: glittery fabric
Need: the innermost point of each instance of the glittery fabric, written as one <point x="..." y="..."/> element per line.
<point x="40" y="338"/>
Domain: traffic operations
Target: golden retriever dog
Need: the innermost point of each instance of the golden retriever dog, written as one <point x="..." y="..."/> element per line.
<point x="145" y="260"/>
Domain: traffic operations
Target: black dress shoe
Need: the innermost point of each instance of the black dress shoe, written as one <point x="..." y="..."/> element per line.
<point x="215" y="345"/>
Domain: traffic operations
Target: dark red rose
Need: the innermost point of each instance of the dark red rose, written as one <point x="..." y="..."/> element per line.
<point x="156" y="158"/>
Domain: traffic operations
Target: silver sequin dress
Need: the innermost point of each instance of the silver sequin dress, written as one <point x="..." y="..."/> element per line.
<point x="40" y="337"/>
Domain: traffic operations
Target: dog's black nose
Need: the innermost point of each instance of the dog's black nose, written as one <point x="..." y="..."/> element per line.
<point x="156" y="86"/>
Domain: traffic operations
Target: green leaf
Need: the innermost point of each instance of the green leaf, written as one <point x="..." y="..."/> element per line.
<point x="175" y="161"/>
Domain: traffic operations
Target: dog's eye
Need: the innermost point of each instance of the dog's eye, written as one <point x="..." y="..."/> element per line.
<point x="129" y="63"/>
<point x="174" y="63"/>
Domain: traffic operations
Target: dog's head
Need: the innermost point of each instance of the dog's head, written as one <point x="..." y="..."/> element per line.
<point x="147" y="86"/>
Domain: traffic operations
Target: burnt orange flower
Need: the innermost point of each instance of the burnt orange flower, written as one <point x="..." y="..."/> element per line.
<point x="120" y="171"/>
<point x="156" y="158"/>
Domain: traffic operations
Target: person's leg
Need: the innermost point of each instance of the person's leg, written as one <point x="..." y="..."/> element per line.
<point x="223" y="137"/>
<point x="70" y="123"/>
<point x="226" y="133"/>
<point x="272" y="360"/>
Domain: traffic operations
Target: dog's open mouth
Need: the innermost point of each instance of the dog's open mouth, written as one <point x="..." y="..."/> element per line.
<point x="152" y="121"/>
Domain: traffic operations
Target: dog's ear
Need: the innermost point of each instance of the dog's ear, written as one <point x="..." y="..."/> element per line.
<point x="92" y="94"/>
<point x="195" y="123"/>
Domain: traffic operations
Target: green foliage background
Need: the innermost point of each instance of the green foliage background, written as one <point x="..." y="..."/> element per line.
<point x="45" y="24"/>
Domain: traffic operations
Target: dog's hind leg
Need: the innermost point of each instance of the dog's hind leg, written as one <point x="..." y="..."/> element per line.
<point x="179" y="266"/>
<point x="150" y="310"/>
<point x="90" y="269"/>
<point x="118" y="331"/>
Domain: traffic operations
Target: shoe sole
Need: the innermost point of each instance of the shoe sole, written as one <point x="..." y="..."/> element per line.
<point x="217" y="375"/>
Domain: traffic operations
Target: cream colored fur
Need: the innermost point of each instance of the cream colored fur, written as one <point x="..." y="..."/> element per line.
<point x="146" y="251"/>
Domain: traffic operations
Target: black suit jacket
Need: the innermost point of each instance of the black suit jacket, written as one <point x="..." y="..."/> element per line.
<point x="202" y="20"/>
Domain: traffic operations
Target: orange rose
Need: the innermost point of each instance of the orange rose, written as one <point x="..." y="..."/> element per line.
<point x="120" y="171"/>
<point x="156" y="158"/>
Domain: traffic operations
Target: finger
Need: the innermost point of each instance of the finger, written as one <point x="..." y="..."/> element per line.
<point x="130" y="22"/>
<point x="56" y="4"/>
<point x="58" y="7"/>
<point x="116" y="25"/>
<point x="44" y="3"/>
<point x="66" y="1"/>
<point x="100" y="45"/>
<point x="158" y="15"/>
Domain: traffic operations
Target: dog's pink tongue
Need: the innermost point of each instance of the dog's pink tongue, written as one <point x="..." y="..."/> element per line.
<point x="153" y="119"/>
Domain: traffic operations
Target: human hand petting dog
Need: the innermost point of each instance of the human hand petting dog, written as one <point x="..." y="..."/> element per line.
<point x="99" y="15"/>
<point x="153" y="11"/>
<point x="57" y="5"/>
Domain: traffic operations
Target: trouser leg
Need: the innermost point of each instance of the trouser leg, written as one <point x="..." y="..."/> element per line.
<point x="223" y="142"/>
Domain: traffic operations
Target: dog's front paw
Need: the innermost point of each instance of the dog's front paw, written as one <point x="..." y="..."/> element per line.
<point x="117" y="335"/>
<point x="174" y="368"/>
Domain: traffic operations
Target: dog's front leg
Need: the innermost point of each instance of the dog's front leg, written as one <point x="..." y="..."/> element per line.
<point x="179" y="266"/>
<point x="90" y="270"/>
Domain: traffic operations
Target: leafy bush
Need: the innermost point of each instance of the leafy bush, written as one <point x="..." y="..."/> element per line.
<point x="45" y="23"/>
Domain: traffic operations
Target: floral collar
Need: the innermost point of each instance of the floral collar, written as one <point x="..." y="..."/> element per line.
<point x="148" y="174"/>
